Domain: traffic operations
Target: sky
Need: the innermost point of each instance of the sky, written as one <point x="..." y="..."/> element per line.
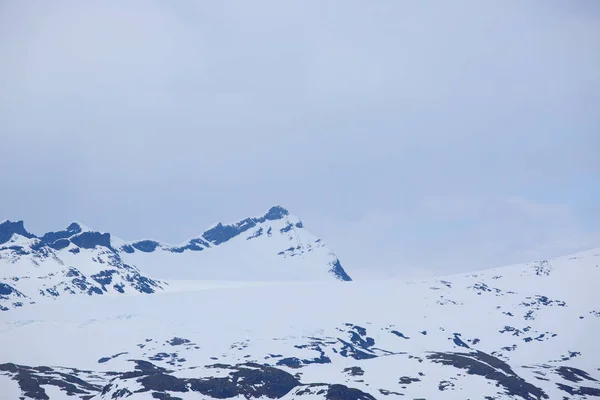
<point x="415" y="137"/>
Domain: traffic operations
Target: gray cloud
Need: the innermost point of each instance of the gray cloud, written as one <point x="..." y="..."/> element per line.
<point x="413" y="126"/>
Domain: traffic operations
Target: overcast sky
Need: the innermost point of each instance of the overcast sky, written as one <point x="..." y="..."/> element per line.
<point x="414" y="137"/>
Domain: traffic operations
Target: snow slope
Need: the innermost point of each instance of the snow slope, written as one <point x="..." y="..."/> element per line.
<point x="78" y="260"/>
<point x="75" y="261"/>
<point x="274" y="246"/>
<point x="527" y="331"/>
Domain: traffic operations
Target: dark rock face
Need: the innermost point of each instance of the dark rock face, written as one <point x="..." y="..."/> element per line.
<point x="445" y="385"/>
<point x="30" y="380"/>
<point x="162" y="382"/>
<point x="71" y="230"/>
<point x="332" y="392"/>
<point x="294" y="362"/>
<point x="19" y="250"/>
<point x="291" y="362"/>
<point x="89" y="240"/>
<point x="147" y="246"/>
<point x="360" y="346"/>
<point x="56" y="240"/>
<point x="458" y="341"/>
<point x="106" y="359"/>
<point x="128" y="249"/>
<point x="339" y="272"/>
<point x="581" y="391"/>
<point x="222" y="233"/>
<point x="248" y="380"/>
<point x="490" y="367"/>
<point x="141" y="283"/>
<point x="573" y="374"/>
<point x="8" y="228"/>
<point x="59" y="244"/>
<point x="399" y="334"/>
<point x="275" y="213"/>
<point x="196" y="244"/>
<point x="341" y="392"/>
<point x="315" y="345"/>
<point x="407" y="380"/>
<point x="104" y="277"/>
<point x="286" y="228"/>
<point x="6" y="290"/>
<point x="258" y="233"/>
<point x="177" y="341"/>
<point x="354" y="371"/>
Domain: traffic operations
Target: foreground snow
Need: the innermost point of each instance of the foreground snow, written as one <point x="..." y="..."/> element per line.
<point x="519" y="332"/>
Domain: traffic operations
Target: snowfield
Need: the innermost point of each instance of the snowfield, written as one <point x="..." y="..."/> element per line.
<point x="526" y="331"/>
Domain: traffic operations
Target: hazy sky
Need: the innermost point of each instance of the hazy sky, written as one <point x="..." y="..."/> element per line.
<point x="414" y="137"/>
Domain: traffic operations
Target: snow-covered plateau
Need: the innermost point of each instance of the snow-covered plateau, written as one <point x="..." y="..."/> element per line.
<point x="263" y="309"/>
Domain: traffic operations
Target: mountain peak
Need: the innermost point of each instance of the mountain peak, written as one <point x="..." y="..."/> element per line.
<point x="276" y="212"/>
<point x="8" y="222"/>
<point x="73" y="229"/>
<point x="74" y="226"/>
<point x="272" y="245"/>
<point x="9" y="228"/>
<point x="220" y="233"/>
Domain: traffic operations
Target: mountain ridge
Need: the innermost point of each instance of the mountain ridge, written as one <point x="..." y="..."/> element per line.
<point x="80" y="260"/>
<point x="9" y="227"/>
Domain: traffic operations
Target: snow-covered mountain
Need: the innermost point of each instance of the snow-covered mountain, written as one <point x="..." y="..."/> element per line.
<point x="273" y="246"/>
<point x="73" y="261"/>
<point x="526" y="331"/>
<point x="78" y="260"/>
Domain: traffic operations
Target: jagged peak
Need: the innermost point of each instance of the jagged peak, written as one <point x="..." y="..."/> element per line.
<point x="78" y="225"/>
<point x="65" y="235"/>
<point x="273" y="213"/>
<point x="145" y="245"/>
<point x="91" y="239"/>
<point x="75" y="233"/>
<point x="9" y="228"/>
<point x="220" y="233"/>
<point x="274" y="228"/>
<point x="276" y="212"/>
<point x="8" y="222"/>
<point x="215" y="234"/>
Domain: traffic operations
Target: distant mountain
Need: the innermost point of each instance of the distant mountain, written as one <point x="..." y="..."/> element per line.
<point x="79" y="260"/>
<point x="68" y="262"/>
<point x="273" y="246"/>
